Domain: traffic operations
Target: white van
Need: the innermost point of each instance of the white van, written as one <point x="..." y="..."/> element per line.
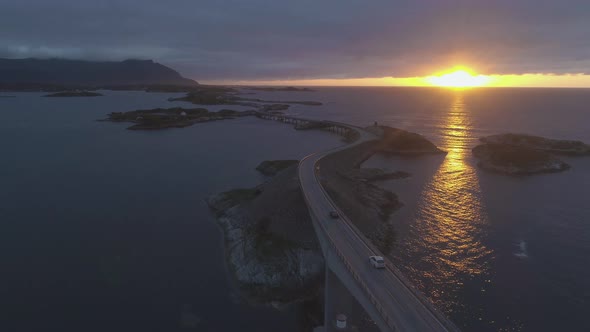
<point x="377" y="261"/>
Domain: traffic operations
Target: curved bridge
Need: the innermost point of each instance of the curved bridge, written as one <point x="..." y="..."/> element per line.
<point x="388" y="298"/>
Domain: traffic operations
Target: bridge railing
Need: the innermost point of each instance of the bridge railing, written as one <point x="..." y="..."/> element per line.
<point x="389" y="265"/>
<point x="363" y="286"/>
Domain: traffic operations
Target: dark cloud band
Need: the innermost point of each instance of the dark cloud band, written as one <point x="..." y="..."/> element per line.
<point x="261" y="39"/>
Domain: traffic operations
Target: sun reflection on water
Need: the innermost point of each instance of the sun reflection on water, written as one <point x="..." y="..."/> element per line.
<point x="445" y="244"/>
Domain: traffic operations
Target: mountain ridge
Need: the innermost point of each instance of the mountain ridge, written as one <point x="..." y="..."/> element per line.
<point x="43" y="73"/>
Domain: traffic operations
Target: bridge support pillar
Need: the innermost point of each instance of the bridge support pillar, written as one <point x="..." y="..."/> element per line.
<point x="343" y="294"/>
<point x="338" y="300"/>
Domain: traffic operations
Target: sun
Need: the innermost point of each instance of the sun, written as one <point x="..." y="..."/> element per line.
<point x="458" y="78"/>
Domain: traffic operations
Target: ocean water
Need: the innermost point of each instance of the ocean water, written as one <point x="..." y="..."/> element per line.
<point x="496" y="253"/>
<point x="106" y="229"/>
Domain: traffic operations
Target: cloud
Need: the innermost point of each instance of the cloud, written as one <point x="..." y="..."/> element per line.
<point x="265" y="39"/>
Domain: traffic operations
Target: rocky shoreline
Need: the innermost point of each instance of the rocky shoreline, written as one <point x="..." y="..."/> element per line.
<point x="271" y="247"/>
<point x="518" y="154"/>
<point x="513" y="160"/>
<point x="353" y="188"/>
<point x="562" y="147"/>
<point x="366" y="204"/>
<point x="402" y="142"/>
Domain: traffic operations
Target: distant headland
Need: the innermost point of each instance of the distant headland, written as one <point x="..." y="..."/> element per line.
<point x="62" y="74"/>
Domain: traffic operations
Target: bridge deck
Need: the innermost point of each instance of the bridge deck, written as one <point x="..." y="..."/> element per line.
<point x="399" y="304"/>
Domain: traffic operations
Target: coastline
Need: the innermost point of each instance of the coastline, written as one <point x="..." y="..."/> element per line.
<point x="372" y="207"/>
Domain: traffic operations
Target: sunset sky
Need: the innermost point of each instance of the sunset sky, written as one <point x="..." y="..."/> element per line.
<point x="310" y="42"/>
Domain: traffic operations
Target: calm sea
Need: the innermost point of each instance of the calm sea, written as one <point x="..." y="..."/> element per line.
<point x="496" y="253"/>
<point x="106" y="229"/>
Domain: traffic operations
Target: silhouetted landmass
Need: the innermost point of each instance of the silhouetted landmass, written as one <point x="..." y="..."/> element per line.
<point x="516" y="160"/>
<point x="219" y="95"/>
<point x="273" y="108"/>
<point x="284" y="89"/>
<point x="368" y="205"/>
<point x="211" y="95"/>
<point x="61" y="74"/>
<point x="162" y="118"/>
<point x="168" y="88"/>
<point x="74" y="94"/>
<point x="520" y="154"/>
<point x="271" y="247"/>
<point x="399" y="141"/>
<point x="308" y="103"/>
<point x="565" y="147"/>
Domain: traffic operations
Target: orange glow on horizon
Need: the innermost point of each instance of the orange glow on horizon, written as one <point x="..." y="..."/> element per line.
<point x="495" y="80"/>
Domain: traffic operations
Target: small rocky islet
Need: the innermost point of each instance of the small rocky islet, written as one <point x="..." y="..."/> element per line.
<point x="65" y="94"/>
<point x="280" y="89"/>
<point x="520" y="154"/>
<point x="213" y="95"/>
<point x="402" y="142"/>
<point x="555" y="146"/>
<point x="176" y="117"/>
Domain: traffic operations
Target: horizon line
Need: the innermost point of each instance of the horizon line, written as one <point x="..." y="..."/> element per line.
<point x="537" y="80"/>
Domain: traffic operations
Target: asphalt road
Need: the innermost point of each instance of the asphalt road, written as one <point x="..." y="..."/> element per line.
<point x="402" y="306"/>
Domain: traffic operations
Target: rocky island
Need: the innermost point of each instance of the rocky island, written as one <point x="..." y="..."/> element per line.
<point x="516" y="160"/>
<point x="209" y="95"/>
<point x="399" y="141"/>
<point x="563" y="147"/>
<point x="354" y="190"/>
<point x="280" y="89"/>
<point x="307" y="103"/>
<point x="213" y="95"/>
<point x="519" y="154"/>
<point x="162" y="118"/>
<point x="270" y="242"/>
<point x="74" y="94"/>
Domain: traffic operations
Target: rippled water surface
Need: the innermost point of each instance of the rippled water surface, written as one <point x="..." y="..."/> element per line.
<point x="106" y="229"/>
<point x="110" y="227"/>
<point x="496" y="253"/>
